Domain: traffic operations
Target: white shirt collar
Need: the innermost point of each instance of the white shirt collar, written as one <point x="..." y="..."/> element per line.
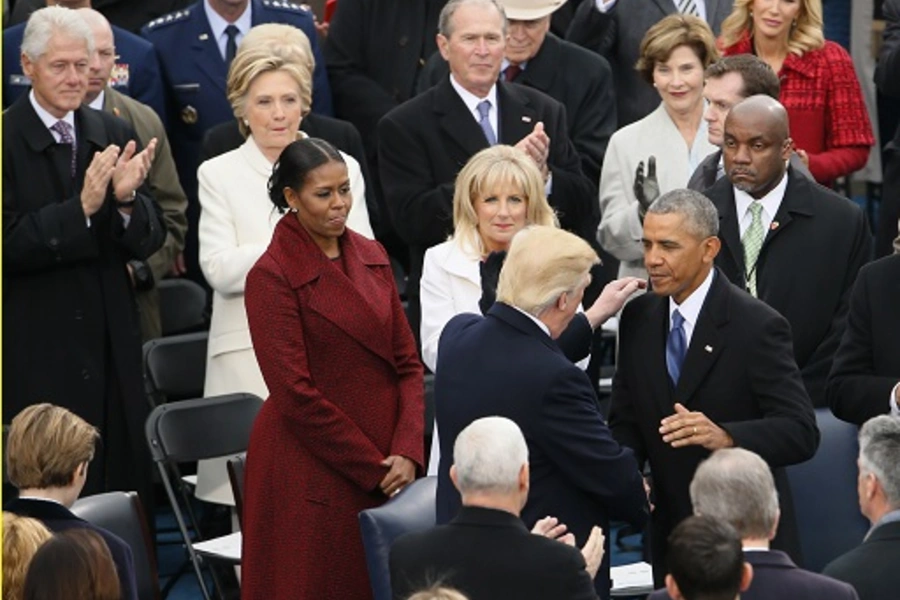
<point x="690" y="308"/>
<point x="770" y="203"/>
<point x="41" y="499"/>
<point x="217" y="24"/>
<point x="97" y="104"/>
<point x="537" y="321"/>
<point x="49" y="120"/>
<point x="471" y="101"/>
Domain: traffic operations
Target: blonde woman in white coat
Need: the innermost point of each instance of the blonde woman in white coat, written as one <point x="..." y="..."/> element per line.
<point x="270" y="89"/>
<point x="498" y="193"/>
<point x="674" y="55"/>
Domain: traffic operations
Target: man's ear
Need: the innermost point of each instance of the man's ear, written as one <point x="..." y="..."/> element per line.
<point x="746" y="577"/>
<point x="443" y="46"/>
<point x="27" y="65"/>
<point x="563" y="301"/>
<point x="524" y="477"/>
<point x="672" y="588"/>
<point x="711" y="247"/>
<point x="453" y="476"/>
<point x="787" y="149"/>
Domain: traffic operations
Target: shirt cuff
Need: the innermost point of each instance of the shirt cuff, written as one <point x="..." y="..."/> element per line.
<point x="895" y="410"/>
<point x="604" y="7"/>
<point x="126" y="219"/>
<point x="548" y="187"/>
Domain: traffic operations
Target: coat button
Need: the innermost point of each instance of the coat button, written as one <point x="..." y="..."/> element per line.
<point x="79" y="314"/>
<point x="403" y="41"/>
<point x="54" y="242"/>
<point x="85" y="374"/>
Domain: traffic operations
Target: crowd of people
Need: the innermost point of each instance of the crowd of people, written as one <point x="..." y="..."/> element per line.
<point x="541" y="175"/>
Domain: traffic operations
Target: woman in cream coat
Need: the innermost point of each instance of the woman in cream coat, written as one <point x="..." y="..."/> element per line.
<point x="270" y="89"/>
<point x="674" y="54"/>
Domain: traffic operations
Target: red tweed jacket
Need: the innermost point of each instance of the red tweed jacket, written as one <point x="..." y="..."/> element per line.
<point x="824" y="102"/>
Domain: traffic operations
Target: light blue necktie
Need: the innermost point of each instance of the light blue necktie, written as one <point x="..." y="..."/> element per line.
<point x="676" y="347"/>
<point x="484" y="109"/>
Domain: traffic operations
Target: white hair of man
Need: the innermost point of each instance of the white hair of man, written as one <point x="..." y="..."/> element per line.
<point x="445" y="19"/>
<point x="736" y="486"/>
<point x="879" y="449"/>
<point x="488" y="456"/>
<point x="45" y="23"/>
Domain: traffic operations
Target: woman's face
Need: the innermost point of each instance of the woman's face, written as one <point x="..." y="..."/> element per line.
<point x="273" y="111"/>
<point x="322" y="202"/>
<point x="679" y="80"/>
<point x="501" y="214"/>
<point x="774" y="18"/>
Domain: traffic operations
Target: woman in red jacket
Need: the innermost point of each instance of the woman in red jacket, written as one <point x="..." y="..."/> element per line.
<point x="342" y="429"/>
<point x="829" y="122"/>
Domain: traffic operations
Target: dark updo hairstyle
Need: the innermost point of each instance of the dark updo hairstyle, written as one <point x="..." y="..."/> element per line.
<point x="295" y="163"/>
<point x="72" y="565"/>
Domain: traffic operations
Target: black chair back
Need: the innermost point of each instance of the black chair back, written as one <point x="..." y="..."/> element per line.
<point x="175" y="367"/>
<point x="182" y="306"/>
<point x="123" y="514"/>
<point x="410" y="510"/>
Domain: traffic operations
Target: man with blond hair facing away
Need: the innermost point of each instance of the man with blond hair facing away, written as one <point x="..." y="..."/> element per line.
<point x="507" y="363"/>
<point x="486" y="552"/>
<point x="48" y="451"/>
<point x="736" y="486"/>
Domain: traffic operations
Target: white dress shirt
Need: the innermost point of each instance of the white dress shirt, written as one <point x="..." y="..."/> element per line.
<point x="472" y="101"/>
<point x="770" y="203"/>
<point x="217" y="24"/>
<point x="690" y="308"/>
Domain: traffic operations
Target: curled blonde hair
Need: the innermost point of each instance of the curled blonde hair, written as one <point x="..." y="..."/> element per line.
<point x="487" y="170"/>
<point x="542" y="263"/>
<point x="438" y="593"/>
<point x="805" y="37"/>
<point x="266" y="48"/>
<point x="671" y="32"/>
<point x="22" y="536"/>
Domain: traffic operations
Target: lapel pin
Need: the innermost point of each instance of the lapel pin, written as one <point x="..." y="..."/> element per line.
<point x="708" y="348"/>
<point x="774" y="225"/>
<point x="203" y="37"/>
<point x="526" y="119"/>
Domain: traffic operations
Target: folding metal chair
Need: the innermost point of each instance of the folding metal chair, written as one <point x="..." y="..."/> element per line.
<point x="193" y="430"/>
<point x="236" y="476"/>
<point x="175" y="367"/>
<point x="182" y="306"/>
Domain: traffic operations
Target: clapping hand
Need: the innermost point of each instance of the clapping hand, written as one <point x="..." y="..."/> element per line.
<point x="593" y="551"/>
<point x="550" y="527"/>
<point x="646" y="189"/>
<point x="490" y="275"/>
<point x="131" y="169"/>
<point x="537" y="145"/>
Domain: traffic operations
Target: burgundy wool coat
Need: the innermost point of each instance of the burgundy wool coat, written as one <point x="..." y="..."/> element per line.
<point x="345" y="391"/>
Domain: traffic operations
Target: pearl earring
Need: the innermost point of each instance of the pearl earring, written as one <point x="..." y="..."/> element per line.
<point x="247" y="122"/>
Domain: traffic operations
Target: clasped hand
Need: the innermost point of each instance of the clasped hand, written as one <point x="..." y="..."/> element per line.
<point x="126" y="171"/>
<point x="402" y="471"/>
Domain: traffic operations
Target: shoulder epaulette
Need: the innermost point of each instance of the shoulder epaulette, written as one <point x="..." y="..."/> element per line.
<point x="172" y="17"/>
<point x="286" y="5"/>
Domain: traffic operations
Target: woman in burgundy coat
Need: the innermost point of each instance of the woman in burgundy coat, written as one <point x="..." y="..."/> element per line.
<point x="342" y="429"/>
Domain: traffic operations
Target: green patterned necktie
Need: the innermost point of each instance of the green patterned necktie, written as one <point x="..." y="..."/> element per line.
<point x="752" y="242"/>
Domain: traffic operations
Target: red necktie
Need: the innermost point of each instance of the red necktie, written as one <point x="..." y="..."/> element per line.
<point x="511" y="72"/>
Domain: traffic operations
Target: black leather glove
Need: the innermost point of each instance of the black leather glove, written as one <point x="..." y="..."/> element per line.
<point x="490" y="275"/>
<point x="141" y="275"/>
<point x="646" y="189"/>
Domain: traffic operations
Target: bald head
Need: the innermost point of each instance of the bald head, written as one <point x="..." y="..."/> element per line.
<point x="104" y="57"/>
<point x="756" y="145"/>
<point x="764" y="111"/>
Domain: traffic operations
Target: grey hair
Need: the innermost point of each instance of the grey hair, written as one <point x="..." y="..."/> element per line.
<point x="488" y="455"/>
<point x="46" y="22"/>
<point x="444" y="20"/>
<point x="701" y="216"/>
<point x="736" y="486"/>
<point x="879" y="447"/>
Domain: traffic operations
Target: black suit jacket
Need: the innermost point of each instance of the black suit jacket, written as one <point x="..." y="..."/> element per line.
<point x="707" y="172"/>
<point x="776" y="576"/>
<point x="68" y="304"/>
<point x="584" y="87"/>
<point x="226" y="137"/>
<point x="423" y="144"/>
<point x="617" y="35"/>
<point x="504" y="364"/>
<point x="489" y="554"/>
<point x="58" y="518"/>
<point x="739" y="371"/>
<point x="867" y="364"/>
<point x="871" y="567"/>
<point x="807" y="265"/>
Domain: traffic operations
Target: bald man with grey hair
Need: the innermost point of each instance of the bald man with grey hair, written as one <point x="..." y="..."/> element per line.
<point x="736" y="486"/>
<point x="486" y="551"/>
<point x="790" y="242"/>
<point x="702" y="366"/>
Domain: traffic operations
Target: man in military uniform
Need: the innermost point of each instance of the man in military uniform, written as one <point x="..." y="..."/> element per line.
<point x="195" y="47"/>
<point x="135" y="74"/>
